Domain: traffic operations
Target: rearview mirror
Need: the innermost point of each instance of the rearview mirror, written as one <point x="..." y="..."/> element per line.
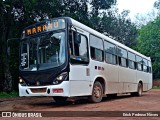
<point x="77" y="38"/>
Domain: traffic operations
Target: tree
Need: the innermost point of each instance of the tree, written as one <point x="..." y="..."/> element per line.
<point x="118" y="26"/>
<point x="12" y="20"/>
<point x="157" y="4"/>
<point x="6" y="23"/>
<point x="148" y="44"/>
<point x="143" y="19"/>
<point x="98" y="5"/>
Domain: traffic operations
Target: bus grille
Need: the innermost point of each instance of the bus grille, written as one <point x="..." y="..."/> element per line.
<point x="38" y="90"/>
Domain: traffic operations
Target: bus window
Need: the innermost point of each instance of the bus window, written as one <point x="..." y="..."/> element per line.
<point x="33" y="52"/>
<point x="24" y="55"/>
<point x="149" y="67"/>
<point x="131" y="60"/>
<point x="122" y="53"/>
<point x="96" y="48"/>
<point x="78" y="48"/>
<point x="139" y="63"/>
<point x="96" y="54"/>
<point x="145" y="65"/>
<point x="110" y="53"/>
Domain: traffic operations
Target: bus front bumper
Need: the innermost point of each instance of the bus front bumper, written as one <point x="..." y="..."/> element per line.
<point x="50" y="90"/>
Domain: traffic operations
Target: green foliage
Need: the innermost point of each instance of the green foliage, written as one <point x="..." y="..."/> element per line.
<point x="101" y="4"/>
<point x="157" y="4"/>
<point x="8" y="95"/>
<point x="116" y="26"/>
<point x="13" y="59"/>
<point x="149" y="44"/>
<point x="156" y="87"/>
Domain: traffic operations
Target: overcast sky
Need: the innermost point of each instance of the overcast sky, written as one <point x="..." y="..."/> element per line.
<point x="135" y="6"/>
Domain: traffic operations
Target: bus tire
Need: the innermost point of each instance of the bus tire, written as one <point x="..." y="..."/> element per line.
<point x="60" y="99"/>
<point x="139" y="91"/>
<point x="97" y="93"/>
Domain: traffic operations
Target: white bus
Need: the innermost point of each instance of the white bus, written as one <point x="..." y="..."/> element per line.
<point x="64" y="58"/>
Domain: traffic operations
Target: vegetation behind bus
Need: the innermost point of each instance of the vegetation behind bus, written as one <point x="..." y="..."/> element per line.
<point x="9" y="95"/>
<point x="16" y="15"/>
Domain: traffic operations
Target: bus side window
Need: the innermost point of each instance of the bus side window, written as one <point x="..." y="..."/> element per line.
<point x="131" y="60"/>
<point x="70" y="42"/>
<point x="77" y="43"/>
<point x="78" y="48"/>
<point x="145" y="65"/>
<point x="139" y="63"/>
<point x="149" y="67"/>
<point x="110" y="53"/>
<point x="122" y="53"/>
<point x="96" y="48"/>
<point x="96" y="54"/>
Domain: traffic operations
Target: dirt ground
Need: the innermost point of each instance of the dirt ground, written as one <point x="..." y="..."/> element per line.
<point x="150" y="101"/>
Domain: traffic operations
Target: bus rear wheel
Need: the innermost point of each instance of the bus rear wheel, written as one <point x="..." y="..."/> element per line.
<point x="139" y="91"/>
<point x="60" y="99"/>
<point x="97" y="93"/>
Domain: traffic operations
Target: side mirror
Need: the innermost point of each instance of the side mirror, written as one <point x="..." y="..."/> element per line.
<point x="77" y="38"/>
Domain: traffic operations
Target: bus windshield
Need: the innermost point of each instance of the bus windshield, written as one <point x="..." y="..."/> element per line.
<point x="43" y="52"/>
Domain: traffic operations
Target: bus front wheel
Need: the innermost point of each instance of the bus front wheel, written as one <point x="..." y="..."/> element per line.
<point x="97" y="93"/>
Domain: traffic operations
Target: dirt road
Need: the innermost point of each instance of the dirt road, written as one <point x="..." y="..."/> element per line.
<point x="150" y="101"/>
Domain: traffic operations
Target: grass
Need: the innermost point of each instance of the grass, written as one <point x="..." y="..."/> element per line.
<point x="8" y="95"/>
<point x="156" y="87"/>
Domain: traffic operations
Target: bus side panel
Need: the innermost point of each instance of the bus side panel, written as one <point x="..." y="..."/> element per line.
<point x="150" y="83"/>
<point x="128" y="77"/>
<point x="144" y="77"/>
<point x="79" y="81"/>
<point x="145" y="81"/>
<point x="111" y="75"/>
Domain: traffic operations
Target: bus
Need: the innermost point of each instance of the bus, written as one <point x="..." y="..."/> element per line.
<point x="64" y="58"/>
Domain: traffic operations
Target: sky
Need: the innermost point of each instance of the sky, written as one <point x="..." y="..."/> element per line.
<point x="135" y="6"/>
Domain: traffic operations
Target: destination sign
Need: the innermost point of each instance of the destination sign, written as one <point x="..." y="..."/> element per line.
<point x="44" y="26"/>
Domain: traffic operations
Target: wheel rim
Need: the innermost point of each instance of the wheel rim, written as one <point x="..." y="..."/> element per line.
<point x="140" y="90"/>
<point x="97" y="92"/>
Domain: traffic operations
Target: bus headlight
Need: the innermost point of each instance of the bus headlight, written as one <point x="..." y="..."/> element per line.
<point x="21" y="81"/>
<point x="60" y="78"/>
